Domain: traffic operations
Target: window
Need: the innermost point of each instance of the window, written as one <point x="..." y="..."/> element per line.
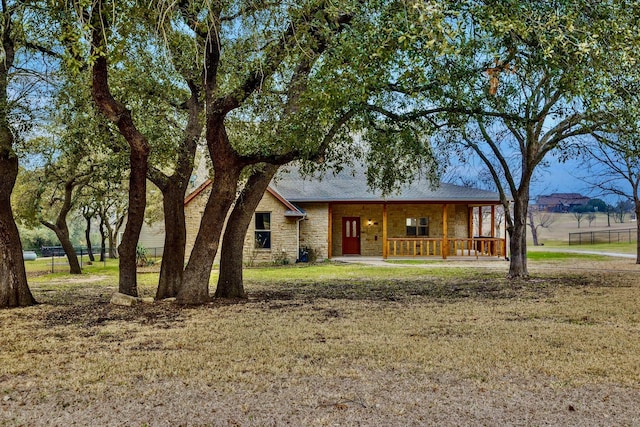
<point x="263" y="230"/>
<point x="417" y="226"/>
<point x="411" y="227"/>
<point x="423" y="226"/>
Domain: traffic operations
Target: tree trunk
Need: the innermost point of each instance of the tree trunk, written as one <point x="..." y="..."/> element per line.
<point x="110" y="232"/>
<point x="14" y="291"/>
<point x="103" y="245"/>
<point x="227" y="166"/>
<point x="230" y="284"/>
<point x="172" y="266"/>
<point x="195" y="284"/>
<point x="87" y="236"/>
<point x="118" y="114"/>
<point x="637" y="210"/>
<point x="173" y="190"/>
<point x="62" y="232"/>
<point x="128" y="282"/>
<point x="518" y="237"/>
<point x="534" y="229"/>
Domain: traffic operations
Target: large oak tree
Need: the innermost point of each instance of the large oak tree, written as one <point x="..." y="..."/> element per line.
<point x="15" y="45"/>
<point x="515" y="83"/>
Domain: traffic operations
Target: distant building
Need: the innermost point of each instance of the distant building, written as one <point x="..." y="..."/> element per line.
<point x="560" y="202"/>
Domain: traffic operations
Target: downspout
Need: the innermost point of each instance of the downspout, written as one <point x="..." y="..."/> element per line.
<point x="298" y="235"/>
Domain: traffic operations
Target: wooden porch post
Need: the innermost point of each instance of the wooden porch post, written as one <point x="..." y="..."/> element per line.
<point x="445" y="231"/>
<point x="479" y="220"/>
<point x="385" y="245"/>
<point x="470" y="224"/>
<point x="330" y="232"/>
<point x="506" y="236"/>
<point x="493" y="220"/>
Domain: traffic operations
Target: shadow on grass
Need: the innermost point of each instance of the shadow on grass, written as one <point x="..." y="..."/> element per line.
<point x="480" y="287"/>
<point x="89" y="306"/>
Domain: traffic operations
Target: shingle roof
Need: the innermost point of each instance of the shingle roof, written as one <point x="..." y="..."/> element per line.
<point x="566" y="199"/>
<point x="347" y="186"/>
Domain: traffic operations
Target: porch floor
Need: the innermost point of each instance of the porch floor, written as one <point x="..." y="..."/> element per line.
<point x="358" y="259"/>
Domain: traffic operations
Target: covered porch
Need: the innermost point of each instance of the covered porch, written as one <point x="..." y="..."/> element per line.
<point x="416" y="229"/>
<point x="442" y="247"/>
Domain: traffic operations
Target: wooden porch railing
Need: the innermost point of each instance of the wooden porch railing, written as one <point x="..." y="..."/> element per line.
<point x="455" y="246"/>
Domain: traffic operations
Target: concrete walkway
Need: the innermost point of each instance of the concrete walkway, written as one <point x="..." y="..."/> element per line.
<point x="611" y="254"/>
<point x="454" y="261"/>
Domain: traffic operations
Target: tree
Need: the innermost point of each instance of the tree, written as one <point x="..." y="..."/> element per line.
<point x="88" y="213"/>
<point x="14" y="291"/>
<point x="597" y="205"/>
<point x="614" y="161"/>
<point x="240" y="84"/>
<point x="513" y="89"/>
<point x="230" y="284"/>
<point x="174" y="185"/>
<point x="579" y="213"/>
<point x="50" y="193"/>
<point x="118" y="113"/>
<point x="538" y="220"/>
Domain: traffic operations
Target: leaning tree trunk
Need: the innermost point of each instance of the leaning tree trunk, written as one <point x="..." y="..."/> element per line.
<point x="62" y="232"/>
<point x="128" y="282"/>
<point x="230" y="280"/>
<point x="14" y="291"/>
<point x="173" y="190"/>
<point x="195" y="283"/>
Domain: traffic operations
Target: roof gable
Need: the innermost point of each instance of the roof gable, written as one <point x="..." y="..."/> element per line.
<point x="292" y="210"/>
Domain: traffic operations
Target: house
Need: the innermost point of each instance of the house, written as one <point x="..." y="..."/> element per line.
<point x="560" y="202"/>
<point x="340" y="216"/>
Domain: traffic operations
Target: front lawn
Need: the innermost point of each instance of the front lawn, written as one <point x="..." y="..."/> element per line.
<point x="333" y="344"/>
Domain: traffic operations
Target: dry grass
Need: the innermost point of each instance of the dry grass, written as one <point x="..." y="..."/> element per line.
<point x="334" y="345"/>
<point x="565" y="223"/>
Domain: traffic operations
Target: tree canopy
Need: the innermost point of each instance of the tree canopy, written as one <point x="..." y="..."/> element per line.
<point x="402" y="85"/>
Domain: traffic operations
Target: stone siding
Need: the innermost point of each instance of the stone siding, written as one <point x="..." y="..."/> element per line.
<point x="193" y="214"/>
<point x="283" y="230"/>
<point x="283" y="235"/>
<point x="314" y="229"/>
<point x="370" y="235"/>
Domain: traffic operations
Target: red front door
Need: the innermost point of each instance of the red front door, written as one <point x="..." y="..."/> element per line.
<point x="350" y="236"/>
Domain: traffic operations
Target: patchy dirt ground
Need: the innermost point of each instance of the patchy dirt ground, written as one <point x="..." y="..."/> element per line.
<point x="372" y="398"/>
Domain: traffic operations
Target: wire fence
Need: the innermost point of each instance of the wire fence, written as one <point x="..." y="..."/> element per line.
<point x="626" y="235"/>
<point x="53" y="259"/>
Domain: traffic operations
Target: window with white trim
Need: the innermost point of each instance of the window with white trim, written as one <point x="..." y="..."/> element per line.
<point x="263" y="230"/>
<point x="417" y="226"/>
